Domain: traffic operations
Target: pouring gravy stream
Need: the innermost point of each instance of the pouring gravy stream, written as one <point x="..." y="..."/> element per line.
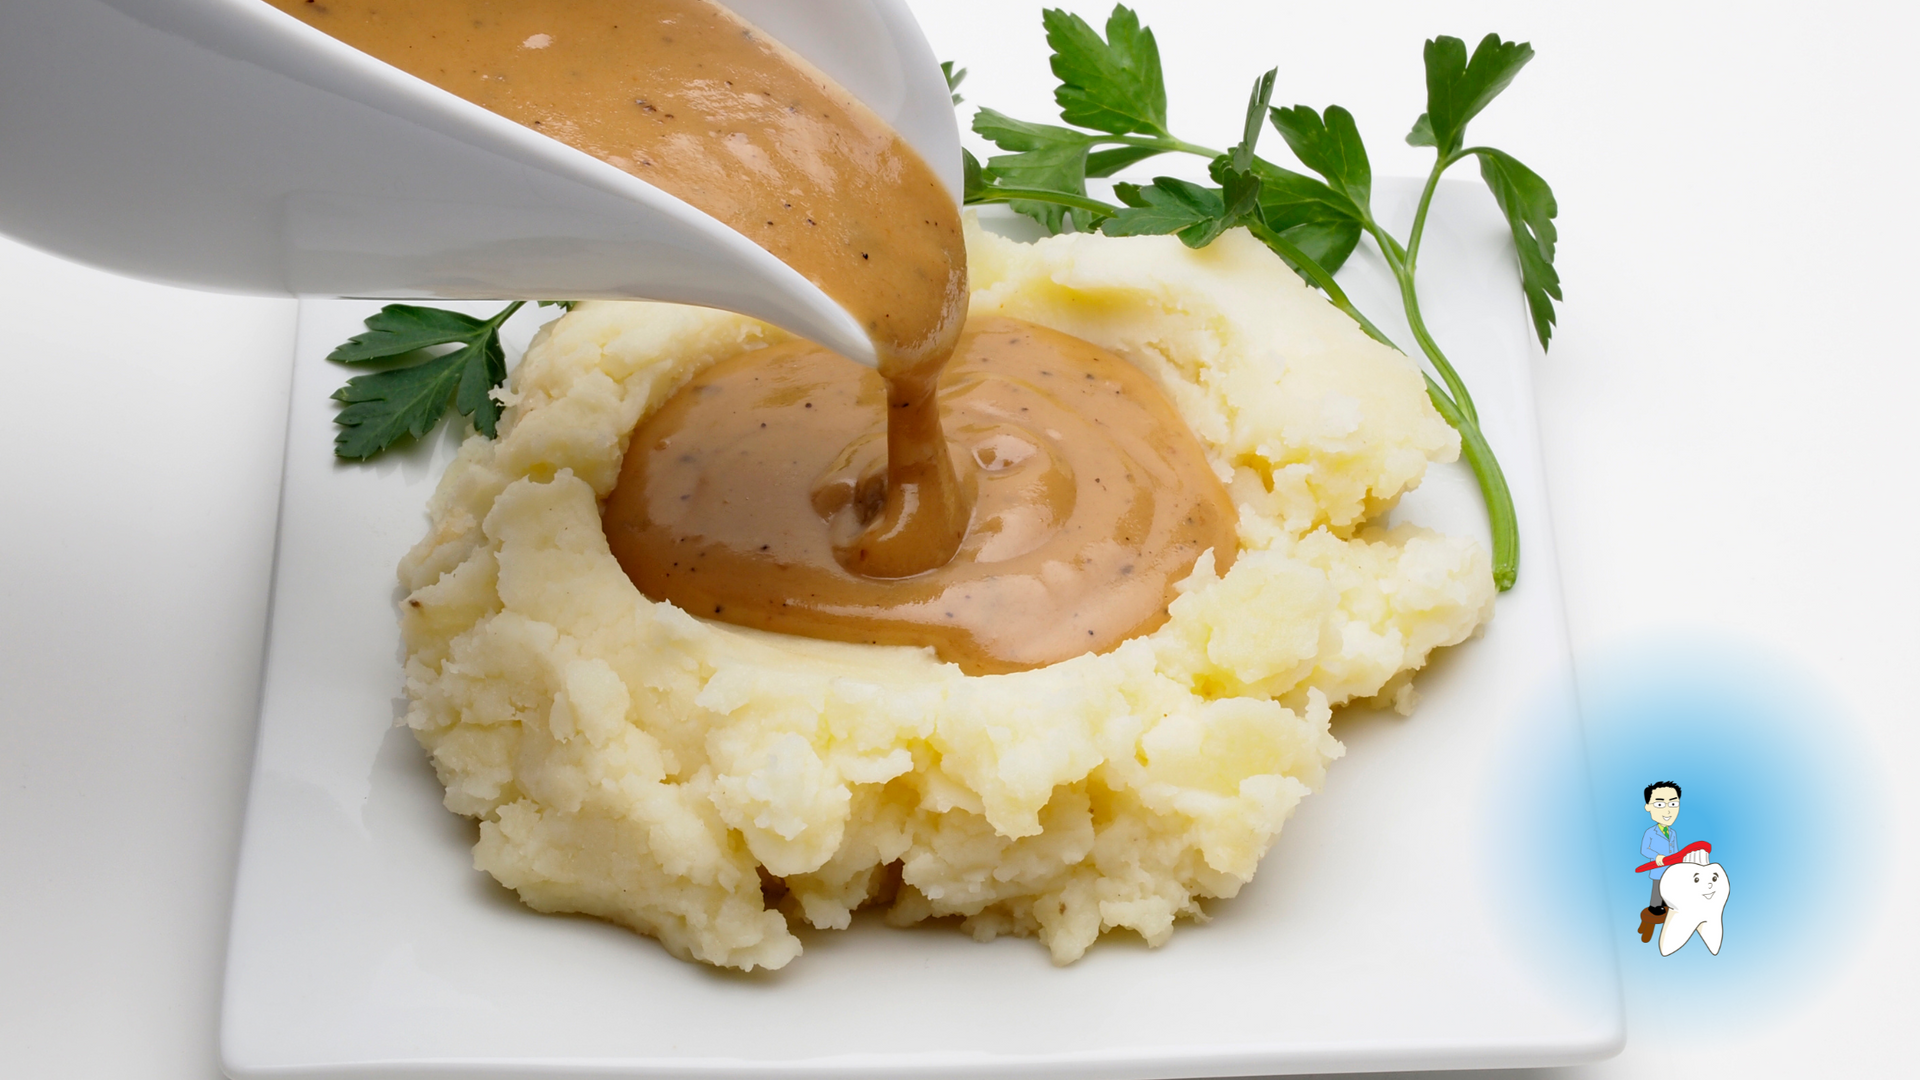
<point x="1036" y="499"/>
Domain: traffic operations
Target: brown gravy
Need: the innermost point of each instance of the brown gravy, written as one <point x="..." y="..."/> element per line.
<point x="688" y="97"/>
<point x="787" y="488"/>
<point x="742" y="500"/>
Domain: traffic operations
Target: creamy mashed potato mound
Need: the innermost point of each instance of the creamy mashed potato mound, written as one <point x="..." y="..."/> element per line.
<point x="713" y="786"/>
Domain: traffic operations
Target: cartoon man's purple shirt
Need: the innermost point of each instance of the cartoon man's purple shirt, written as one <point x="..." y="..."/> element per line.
<point x="1654" y="843"/>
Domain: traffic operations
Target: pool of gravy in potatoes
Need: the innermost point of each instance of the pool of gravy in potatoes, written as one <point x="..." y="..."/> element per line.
<point x="787" y="488"/>
<point x="742" y="497"/>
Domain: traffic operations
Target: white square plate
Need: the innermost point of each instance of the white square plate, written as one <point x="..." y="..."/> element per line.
<point x="365" y="945"/>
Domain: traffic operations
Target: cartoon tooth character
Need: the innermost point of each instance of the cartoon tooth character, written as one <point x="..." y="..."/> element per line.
<point x="1695" y="895"/>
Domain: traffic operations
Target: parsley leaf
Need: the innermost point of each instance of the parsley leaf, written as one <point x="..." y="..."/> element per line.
<point x="479" y="374"/>
<point x="1242" y="153"/>
<point x="1043" y="204"/>
<point x="1319" y="220"/>
<point x="1329" y="243"/>
<point x="1233" y="171"/>
<point x="974" y="185"/>
<point x="1239" y="192"/>
<point x="1458" y="88"/>
<point x="402" y="402"/>
<point x="955" y="76"/>
<point x="1007" y="133"/>
<point x="384" y="408"/>
<point x="1330" y="146"/>
<point x="1530" y="208"/>
<point x="1195" y="213"/>
<point x="1112" y="89"/>
<point x="1422" y="133"/>
<point x="1047" y="158"/>
<point x="1325" y="220"/>
<point x="1113" y="85"/>
<point x="398" y="329"/>
<point x="1114" y="158"/>
<point x="1057" y="168"/>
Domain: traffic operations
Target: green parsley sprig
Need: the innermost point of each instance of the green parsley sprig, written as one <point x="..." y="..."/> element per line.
<point x="954" y="78"/>
<point x="407" y="401"/>
<point x="1113" y="95"/>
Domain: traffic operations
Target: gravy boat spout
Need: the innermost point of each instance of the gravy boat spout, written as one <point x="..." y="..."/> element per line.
<point x="221" y="144"/>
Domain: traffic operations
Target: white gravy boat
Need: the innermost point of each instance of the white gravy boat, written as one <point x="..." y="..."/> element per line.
<point x="221" y="144"/>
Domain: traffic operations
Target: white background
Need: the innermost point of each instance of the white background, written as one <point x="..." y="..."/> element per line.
<point x="1727" y="416"/>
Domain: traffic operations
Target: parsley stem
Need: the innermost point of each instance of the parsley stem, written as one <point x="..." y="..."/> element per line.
<point x="1411" y="300"/>
<point x="1493" y="488"/>
<point x="1317" y="274"/>
<point x="1402" y="261"/>
<point x="1399" y="260"/>
<point x="999" y="193"/>
<point x="1457" y="409"/>
<point x="1473" y="443"/>
<point x="505" y="313"/>
<point x="1426" y="201"/>
<point x="1405" y="271"/>
<point x="1166" y="145"/>
<point x="1390" y="248"/>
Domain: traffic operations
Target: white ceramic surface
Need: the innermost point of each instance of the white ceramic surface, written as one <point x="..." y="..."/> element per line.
<point x="364" y="945"/>
<point x="221" y="144"/>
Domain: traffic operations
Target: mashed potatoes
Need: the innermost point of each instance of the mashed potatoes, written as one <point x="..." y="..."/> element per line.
<point x="706" y="784"/>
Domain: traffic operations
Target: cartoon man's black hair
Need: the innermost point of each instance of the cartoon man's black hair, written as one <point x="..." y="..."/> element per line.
<point x="1657" y="785"/>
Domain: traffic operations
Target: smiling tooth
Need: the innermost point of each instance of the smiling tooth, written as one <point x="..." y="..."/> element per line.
<point x="1695" y="896"/>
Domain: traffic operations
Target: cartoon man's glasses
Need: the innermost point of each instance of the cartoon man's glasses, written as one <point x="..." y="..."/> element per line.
<point x="1665" y="804"/>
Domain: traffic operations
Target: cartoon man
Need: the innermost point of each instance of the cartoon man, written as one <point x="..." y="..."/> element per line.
<point x="1658" y="844"/>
